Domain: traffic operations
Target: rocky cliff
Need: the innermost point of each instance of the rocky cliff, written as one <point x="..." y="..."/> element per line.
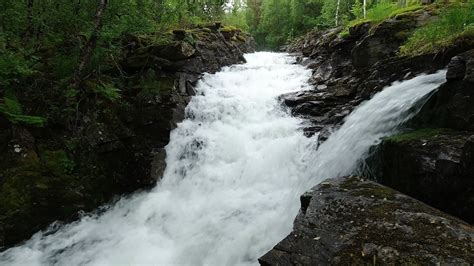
<point x="350" y="68"/>
<point x="433" y="160"/>
<point x="350" y="221"/>
<point x="111" y="142"/>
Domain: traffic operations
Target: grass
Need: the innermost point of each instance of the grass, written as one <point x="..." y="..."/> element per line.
<point x="380" y="12"/>
<point x="454" y="23"/>
<point x="425" y="133"/>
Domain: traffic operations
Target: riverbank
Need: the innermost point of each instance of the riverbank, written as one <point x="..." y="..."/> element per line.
<point x="429" y="160"/>
<point x="109" y="140"/>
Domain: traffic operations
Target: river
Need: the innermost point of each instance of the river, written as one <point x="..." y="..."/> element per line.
<point x="236" y="167"/>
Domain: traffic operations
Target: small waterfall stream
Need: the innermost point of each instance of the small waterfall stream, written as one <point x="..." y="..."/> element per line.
<point x="235" y="169"/>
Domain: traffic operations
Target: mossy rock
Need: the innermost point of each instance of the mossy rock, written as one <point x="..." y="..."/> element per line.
<point x="351" y="221"/>
<point x="426" y="133"/>
<point x="34" y="194"/>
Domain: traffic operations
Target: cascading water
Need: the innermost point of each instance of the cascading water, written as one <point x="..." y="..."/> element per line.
<point x="235" y="170"/>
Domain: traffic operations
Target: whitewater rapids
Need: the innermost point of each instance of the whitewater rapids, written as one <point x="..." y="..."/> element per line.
<point x="235" y="169"/>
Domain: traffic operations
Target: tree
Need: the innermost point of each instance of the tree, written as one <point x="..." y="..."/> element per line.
<point x="91" y="43"/>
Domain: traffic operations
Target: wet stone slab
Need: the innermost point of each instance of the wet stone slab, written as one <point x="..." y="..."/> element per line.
<point x="354" y="221"/>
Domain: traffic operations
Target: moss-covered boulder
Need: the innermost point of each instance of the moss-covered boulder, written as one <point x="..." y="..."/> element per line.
<point x="384" y="39"/>
<point x="37" y="192"/>
<point x="349" y="221"/>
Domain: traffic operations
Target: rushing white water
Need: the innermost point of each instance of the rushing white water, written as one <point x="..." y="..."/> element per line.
<point x="235" y="170"/>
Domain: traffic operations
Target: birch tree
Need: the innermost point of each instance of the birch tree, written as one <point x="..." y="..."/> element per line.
<point x="91" y="44"/>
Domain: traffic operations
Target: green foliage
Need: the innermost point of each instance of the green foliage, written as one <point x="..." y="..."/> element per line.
<point x="358" y="9"/>
<point x="381" y="11"/>
<point x="57" y="162"/>
<point x="454" y="23"/>
<point x="378" y="12"/>
<point x="411" y="8"/>
<point x="13" y="67"/>
<point x="237" y="19"/>
<point x="13" y="111"/>
<point x="108" y="91"/>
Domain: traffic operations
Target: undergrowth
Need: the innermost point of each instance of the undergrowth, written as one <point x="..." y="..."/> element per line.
<point x="13" y="111"/>
<point x="378" y="13"/>
<point x="454" y="23"/>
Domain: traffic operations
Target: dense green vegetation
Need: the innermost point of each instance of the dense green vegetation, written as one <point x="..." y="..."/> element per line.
<point x="277" y="22"/>
<point x="453" y="24"/>
<point x="59" y="44"/>
<point x="49" y="48"/>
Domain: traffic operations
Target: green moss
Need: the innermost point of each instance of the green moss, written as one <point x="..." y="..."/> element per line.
<point x="37" y="184"/>
<point x="377" y="15"/>
<point x="161" y="39"/>
<point x="228" y="29"/>
<point x="405" y="10"/>
<point x="369" y="190"/>
<point x="241" y="38"/>
<point x="57" y="162"/>
<point x="354" y="23"/>
<point x="426" y="133"/>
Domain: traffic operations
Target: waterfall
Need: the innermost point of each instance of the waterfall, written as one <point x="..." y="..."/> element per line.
<point x="235" y="169"/>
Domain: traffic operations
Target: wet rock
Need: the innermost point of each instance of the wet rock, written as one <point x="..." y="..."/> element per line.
<point x="179" y="35"/>
<point x="349" y="221"/>
<point x="350" y="68"/>
<point x="109" y="146"/>
<point x="431" y="165"/>
<point x="452" y="105"/>
<point x="174" y="51"/>
<point x="456" y="68"/>
<point x="385" y="39"/>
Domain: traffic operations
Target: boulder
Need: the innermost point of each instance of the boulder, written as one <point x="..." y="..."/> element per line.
<point x="431" y="165"/>
<point x="452" y="105"/>
<point x="173" y="51"/>
<point x="385" y="39"/>
<point x="349" y="221"/>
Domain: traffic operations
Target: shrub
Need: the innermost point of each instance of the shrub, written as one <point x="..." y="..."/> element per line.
<point x="13" y="111"/>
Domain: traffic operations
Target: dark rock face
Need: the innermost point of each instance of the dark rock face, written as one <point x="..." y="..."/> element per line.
<point x="452" y="105"/>
<point x="434" y="163"/>
<point x="350" y="69"/>
<point x="385" y="39"/>
<point x="116" y="147"/>
<point x="348" y="221"/>
<point x="434" y="166"/>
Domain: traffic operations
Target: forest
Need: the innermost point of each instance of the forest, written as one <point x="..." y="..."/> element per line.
<point x="65" y="41"/>
<point x="31" y="28"/>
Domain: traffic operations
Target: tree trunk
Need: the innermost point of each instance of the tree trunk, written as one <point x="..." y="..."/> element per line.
<point x="86" y="53"/>
<point x="337" y="12"/>
<point x="29" y="19"/>
<point x="364" y="7"/>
